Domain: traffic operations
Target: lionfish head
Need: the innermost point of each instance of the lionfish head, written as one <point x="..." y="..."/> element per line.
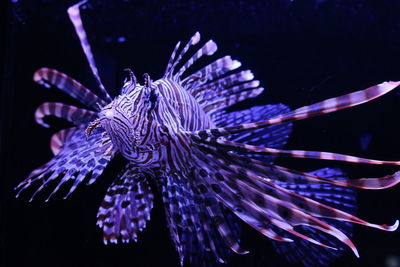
<point x="123" y="117"/>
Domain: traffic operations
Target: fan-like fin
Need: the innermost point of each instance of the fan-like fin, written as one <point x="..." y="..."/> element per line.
<point x="342" y="198"/>
<point x="323" y="107"/>
<point x="216" y="95"/>
<point x="229" y="100"/>
<point x="75" y="17"/>
<point x="81" y="157"/>
<point x="257" y="200"/>
<point x="210" y="72"/>
<point x="307" y="205"/>
<point x="126" y="206"/>
<point x="48" y="77"/>
<point x="257" y="208"/>
<point x="72" y="114"/>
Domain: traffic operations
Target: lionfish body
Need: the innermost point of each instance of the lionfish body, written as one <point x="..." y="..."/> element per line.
<point x="210" y="165"/>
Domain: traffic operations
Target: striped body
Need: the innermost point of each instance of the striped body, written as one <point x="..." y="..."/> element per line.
<point x="212" y="167"/>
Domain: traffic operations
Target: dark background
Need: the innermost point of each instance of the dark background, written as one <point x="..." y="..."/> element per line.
<point x="302" y="51"/>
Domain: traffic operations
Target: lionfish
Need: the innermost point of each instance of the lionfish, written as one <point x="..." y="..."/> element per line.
<point x="211" y="166"/>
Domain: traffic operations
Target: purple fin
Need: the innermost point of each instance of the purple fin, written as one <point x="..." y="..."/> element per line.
<point x="75" y="17"/>
<point x="343" y="198"/>
<point x="201" y="228"/>
<point x="195" y="82"/>
<point x="49" y="77"/>
<point x="274" y="136"/>
<point x="80" y="157"/>
<point x="75" y="115"/>
<point x="126" y="206"/>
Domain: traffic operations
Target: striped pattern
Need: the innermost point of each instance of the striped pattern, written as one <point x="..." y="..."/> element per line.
<point x="251" y="149"/>
<point x="210" y="72"/>
<point x="170" y="131"/>
<point x="208" y="49"/>
<point x="72" y="114"/>
<point x="80" y="158"/>
<point x="65" y="83"/>
<point x="75" y="17"/>
<point x="126" y="206"/>
<point x="323" y="107"/>
<point x="338" y="197"/>
<point x="281" y="174"/>
<point x="270" y="201"/>
<point x="174" y="61"/>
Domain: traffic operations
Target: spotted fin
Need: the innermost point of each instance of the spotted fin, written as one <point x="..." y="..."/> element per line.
<point x="207" y="87"/>
<point x="198" y="224"/>
<point x="126" y="206"/>
<point x="265" y="205"/>
<point x="80" y="157"/>
<point x="342" y="198"/>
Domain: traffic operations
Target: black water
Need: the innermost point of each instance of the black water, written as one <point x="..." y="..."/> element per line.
<point x="301" y="51"/>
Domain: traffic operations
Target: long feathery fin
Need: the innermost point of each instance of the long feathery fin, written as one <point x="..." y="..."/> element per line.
<point x="210" y="72"/>
<point x="276" y="210"/>
<point x="280" y="206"/>
<point x="208" y="49"/>
<point x="323" y="107"/>
<point x="171" y="60"/>
<point x="311" y="206"/>
<point x="251" y="149"/>
<point x="75" y="17"/>
<point x="47" y="77"/>
<point x="193" y="41"/>
<point x="72" y="114"/>
<point x="282" y="174"/>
